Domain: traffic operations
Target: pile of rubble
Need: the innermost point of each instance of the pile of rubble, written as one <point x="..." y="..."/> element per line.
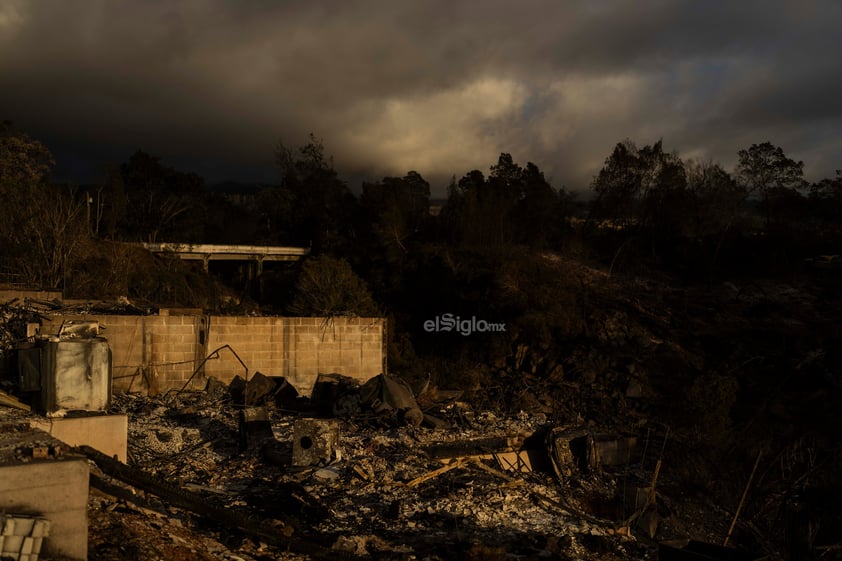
<point x="254" y="472"/>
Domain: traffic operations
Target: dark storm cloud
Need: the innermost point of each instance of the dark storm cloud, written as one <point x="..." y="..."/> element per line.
<point x="436" y="86"/>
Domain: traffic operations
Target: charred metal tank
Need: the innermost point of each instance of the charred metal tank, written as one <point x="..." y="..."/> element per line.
<point x="69" y="372"/>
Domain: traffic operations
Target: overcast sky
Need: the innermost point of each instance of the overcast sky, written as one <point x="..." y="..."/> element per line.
<point x="440" y="87"/>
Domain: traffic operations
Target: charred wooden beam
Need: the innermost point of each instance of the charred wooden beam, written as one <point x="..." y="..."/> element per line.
<point x="195" y="503"/>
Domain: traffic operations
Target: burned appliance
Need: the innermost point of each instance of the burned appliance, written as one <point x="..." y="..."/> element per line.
<point x="69" y="372"/>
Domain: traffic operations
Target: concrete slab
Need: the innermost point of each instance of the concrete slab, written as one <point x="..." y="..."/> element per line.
<point x="105" y="433"/>
<point x="54" y="486"/>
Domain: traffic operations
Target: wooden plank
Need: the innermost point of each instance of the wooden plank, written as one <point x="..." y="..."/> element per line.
<point x="11" y="401"/>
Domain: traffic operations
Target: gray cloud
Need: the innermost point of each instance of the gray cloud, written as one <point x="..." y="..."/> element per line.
<point x="440" y="87"/>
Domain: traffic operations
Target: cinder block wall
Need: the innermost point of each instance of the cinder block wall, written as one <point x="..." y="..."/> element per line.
<point x="297" y="348"/>
<point x="158" y="353"/>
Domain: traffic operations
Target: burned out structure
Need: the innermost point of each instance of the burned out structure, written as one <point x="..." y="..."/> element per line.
<point x="202" y="457"/>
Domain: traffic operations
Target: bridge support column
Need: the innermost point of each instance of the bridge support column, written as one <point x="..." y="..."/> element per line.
<point x="260" y="277"/>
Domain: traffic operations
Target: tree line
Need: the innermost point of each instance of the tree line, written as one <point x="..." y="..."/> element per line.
<point x="649" y="208"/>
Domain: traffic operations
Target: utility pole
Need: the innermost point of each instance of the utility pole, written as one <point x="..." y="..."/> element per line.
<point x="88" y="200"/>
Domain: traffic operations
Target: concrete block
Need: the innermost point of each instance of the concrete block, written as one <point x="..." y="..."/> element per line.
<point x="106" y="433"/>
<point x="178" y="330"/>
<point x="328" y="357"/>
<point x="57" y="491"/>
<point x="314" y="441"/>
<point x="307" y="362"/>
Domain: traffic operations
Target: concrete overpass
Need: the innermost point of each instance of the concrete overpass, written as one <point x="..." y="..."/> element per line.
<point x="211" y="252"/>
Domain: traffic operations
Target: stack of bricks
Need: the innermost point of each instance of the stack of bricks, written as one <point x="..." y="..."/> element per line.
<point x="21" y="537"/>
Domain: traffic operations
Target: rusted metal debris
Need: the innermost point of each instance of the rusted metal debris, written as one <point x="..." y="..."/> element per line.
<point x="572" y="451"/>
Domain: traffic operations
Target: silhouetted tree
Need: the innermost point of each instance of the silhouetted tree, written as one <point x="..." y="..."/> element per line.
<point x="41" y="225"/>
<point x="717" y="208"/>
<point x="514" y="205"/>
<point x="161" y="202"/>
<point x="663" y="190"/>
<point x="327" y="286"/>
<point x="23" y="161"/>
<point x="765" y="171"/>
<point x="618" y="186"/>
<point x="717" y="199"/>
<point x="640" y="187"/>
<point x="323" y="205"/>
<point x="541" y="211"/>
<point x="826" y="202"/>
<point x="396" y="208"/>
<point x="277" y="215"/>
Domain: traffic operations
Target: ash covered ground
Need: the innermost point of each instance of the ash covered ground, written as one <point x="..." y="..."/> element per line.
<point x="382" y="494"/>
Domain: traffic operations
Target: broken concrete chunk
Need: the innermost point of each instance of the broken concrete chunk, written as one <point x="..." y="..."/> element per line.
<point x="259" y="389"/>
<point x="163" y="435"/>
<point x="255" y="427"/>
<point x="215" y="386"/>
<point x="314" y="441"/>
<point x="326" y="474"/>
<point x="285" y="393"/>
